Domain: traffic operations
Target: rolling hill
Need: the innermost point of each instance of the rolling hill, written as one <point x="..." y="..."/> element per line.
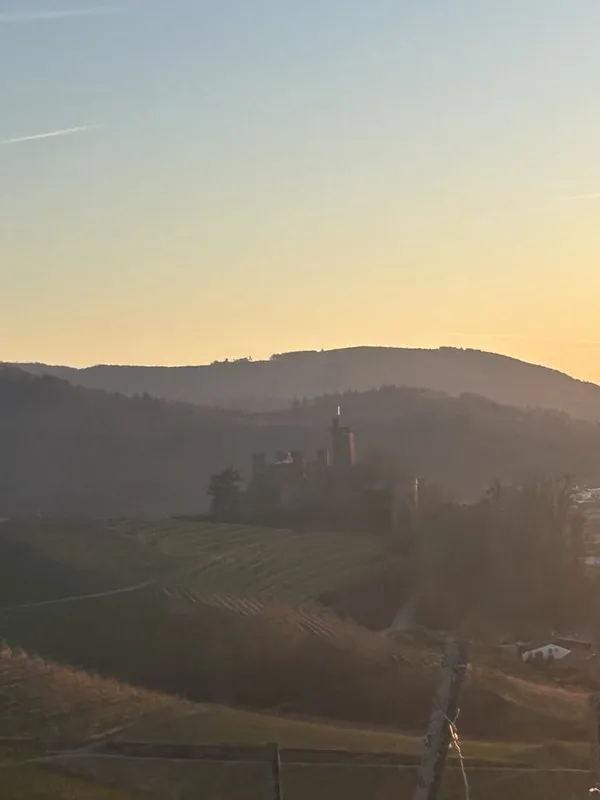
<point x="71" y="451"/>
<point x="251" y="634"/>
<point x="45" y="706"/>
<point x="229" y="616"/>
<point x="272" y="384"/>
<point x="51" y="705"/>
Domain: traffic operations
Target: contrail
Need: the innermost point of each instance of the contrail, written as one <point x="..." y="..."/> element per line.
<point x="41" y="16"/>
<point x="49" y="135"/>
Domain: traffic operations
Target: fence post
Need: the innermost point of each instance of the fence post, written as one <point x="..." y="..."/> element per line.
<point x="275" y="759"/>
<point x="445" y="707"/>
<point x="595" y="738"/>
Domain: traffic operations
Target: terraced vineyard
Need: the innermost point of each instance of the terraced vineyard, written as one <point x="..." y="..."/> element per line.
<point x="248" y="561"/>
<point x="311" y="619"/>
<point x="61" y="598"/>
<point x="236" y="560"/>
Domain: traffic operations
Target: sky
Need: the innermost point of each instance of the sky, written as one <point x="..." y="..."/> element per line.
<point x="189" y="180"/>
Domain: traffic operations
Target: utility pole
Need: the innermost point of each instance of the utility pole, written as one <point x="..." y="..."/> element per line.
<point x="275" y="760"/>
<point x="443" y="714"/>
<point x="595" y="739"/>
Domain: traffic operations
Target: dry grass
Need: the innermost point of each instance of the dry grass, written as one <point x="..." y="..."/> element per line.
<point x="50" y="702"/>
<point x="45" y="700"/>
<point x="514" y="706"/>
<point x="312" y="619"/>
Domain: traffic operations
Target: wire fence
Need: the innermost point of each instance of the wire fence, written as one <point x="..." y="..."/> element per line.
<point x="213" y="773"/>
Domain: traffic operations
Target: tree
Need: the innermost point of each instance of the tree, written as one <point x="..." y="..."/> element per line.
<point x="515" y="555"/>
<point x="225" y="493"/>
<point x="536" y="534"/>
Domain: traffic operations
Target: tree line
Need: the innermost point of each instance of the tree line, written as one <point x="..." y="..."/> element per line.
<point x="514" y="556"/>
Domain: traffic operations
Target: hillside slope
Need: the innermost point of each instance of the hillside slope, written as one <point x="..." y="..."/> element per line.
<point x="66" y="450"/>
<point x="56" y="703"/>
<point x="263" y="385"/>
<point x="239" y="648"/>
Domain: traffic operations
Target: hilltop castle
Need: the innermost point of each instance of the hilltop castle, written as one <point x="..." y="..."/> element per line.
<point x="342" y="453"/>
<point x="332" y="487"/>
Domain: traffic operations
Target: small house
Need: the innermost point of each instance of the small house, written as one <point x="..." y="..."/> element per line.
<point x="546" y="652"/>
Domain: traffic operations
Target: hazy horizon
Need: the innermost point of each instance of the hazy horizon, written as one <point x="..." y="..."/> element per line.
<point x="269" y="356"/>
<point x="192" y="181"/>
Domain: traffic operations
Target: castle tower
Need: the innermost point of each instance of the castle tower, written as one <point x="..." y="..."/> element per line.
<point x="343" y="446"/>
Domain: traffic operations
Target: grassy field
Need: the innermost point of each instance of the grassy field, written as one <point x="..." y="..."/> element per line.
<point x="29" y="782"/>
<point x="218" y="724"/>
<point x="253" y="782"/>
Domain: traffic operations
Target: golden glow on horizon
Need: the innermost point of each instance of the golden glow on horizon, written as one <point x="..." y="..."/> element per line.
<point x="161" y="294"/>
<point x="314" y="196"/>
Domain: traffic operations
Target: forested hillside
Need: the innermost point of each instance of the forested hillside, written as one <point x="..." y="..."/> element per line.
<point x="273" y="384"/>
<point x="67" y="450"/>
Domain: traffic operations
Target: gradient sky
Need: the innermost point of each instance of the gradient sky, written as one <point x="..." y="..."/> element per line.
<point x="255" y="176"/>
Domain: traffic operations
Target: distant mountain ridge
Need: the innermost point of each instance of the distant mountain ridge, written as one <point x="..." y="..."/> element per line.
<point x="275" y="383"/>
